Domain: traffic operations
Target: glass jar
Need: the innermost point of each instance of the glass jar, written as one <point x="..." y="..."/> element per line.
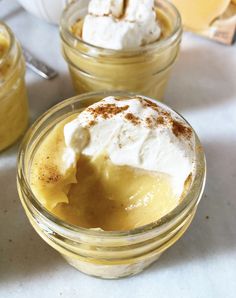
<point x="13" y="97"/>
<point x="144" y="70"/>
<point x="198" y="15"/>
<point x="95" y="252"/>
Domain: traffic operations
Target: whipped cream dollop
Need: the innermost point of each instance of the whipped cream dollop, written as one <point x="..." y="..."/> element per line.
<point x="136" y="132"/>
<point x="120" y="24"/>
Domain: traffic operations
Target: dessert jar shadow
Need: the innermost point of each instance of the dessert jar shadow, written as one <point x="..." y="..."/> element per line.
<point x="143" y="70"/>
<point x="105" y="254"/>
<point x="13" y="97"/>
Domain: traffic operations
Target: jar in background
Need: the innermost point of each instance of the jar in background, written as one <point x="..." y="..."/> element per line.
<point x="144" y="70"/>
<point x="13" y="97"/>
<point x="95" y="252"/>
<point x="215" y="20"/>
<point x="199" y="14"/>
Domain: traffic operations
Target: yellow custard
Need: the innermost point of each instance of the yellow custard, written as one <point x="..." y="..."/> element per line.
<point x="43" y="182"/>
<point x="13" y="97"/>
<point x="100" y="194"/>
<point x="115" y="197"/>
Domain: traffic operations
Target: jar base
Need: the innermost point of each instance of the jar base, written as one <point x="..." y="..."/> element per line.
<point x="111" y="271"/>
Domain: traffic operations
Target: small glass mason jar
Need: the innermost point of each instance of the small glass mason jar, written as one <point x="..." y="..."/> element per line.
<point x="105" y="254"/>
<point x="143" y="70"/>
<point x="13" y="97"/>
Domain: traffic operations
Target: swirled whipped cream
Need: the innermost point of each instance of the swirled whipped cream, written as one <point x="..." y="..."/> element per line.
<point x="136" y="132"/>
<point x="120" y="24"/>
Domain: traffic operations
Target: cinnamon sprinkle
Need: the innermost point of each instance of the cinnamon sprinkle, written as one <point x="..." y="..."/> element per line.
<point x="149" y="122"/>
<point x="150" y="104"/>
<point x="107" y="110"/>
<point x="49" y="174"/>
<point x="179" y="129"/>
<point x="92" y="123"/>
<point x="160" y="120"/>
<point x="135" y="120"/>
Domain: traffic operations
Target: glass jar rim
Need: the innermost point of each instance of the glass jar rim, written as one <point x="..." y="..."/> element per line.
<point x="11" y="41"/>
<point x="177" y="30"/>
<point x="13" y="48"/>
<point x="198" y="182"/>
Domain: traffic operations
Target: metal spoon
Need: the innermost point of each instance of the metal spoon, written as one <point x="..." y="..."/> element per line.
<point x="39" y="67"/>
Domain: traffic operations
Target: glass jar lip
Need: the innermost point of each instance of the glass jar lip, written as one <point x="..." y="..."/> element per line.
<point x="198" y="182"/>
<point x="149" y="47"/>
<point x="11" y="42"/>
<point x="13" y="49"/>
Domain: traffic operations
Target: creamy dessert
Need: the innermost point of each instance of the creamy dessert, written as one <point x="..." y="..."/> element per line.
<point x="214" y="19"/>
<point x="198" y="15"/>
<point x="121" y="24"/>
<point x="121" y="45"/>
<point x="120" y="164"/>
<point x="110" y="180"/>
<point x="13" y="98"/>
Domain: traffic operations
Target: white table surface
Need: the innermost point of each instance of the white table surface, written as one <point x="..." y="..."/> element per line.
<point x="203" y="262"/>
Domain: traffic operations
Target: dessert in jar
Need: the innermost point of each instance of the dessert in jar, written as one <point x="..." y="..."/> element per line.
<point x="13" y="97"/>
<point x="214" y="19"/>
<point x="121" y="45"/>
<point x="111" y="180"/>
<point x="198" y="15"/>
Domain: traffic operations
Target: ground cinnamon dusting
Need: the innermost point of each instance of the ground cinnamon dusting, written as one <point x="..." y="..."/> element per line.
<point x="179" y="129"/>
<point x="49" y="174"/>
<point x="160" y="120"/>
<point x="149" y="104"/>
<point x="135" y="120"/>
<point x="107" y="110"/>
<point x="92" y="123"/>
<point x="149" y="122"/>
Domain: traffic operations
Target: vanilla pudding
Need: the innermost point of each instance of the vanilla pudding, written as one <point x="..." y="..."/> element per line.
<point x="110" y="180"/>
<point x="120" y="164"/>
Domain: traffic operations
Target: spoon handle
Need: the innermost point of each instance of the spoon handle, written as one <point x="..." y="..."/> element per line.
<point x="38" y="66"/>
